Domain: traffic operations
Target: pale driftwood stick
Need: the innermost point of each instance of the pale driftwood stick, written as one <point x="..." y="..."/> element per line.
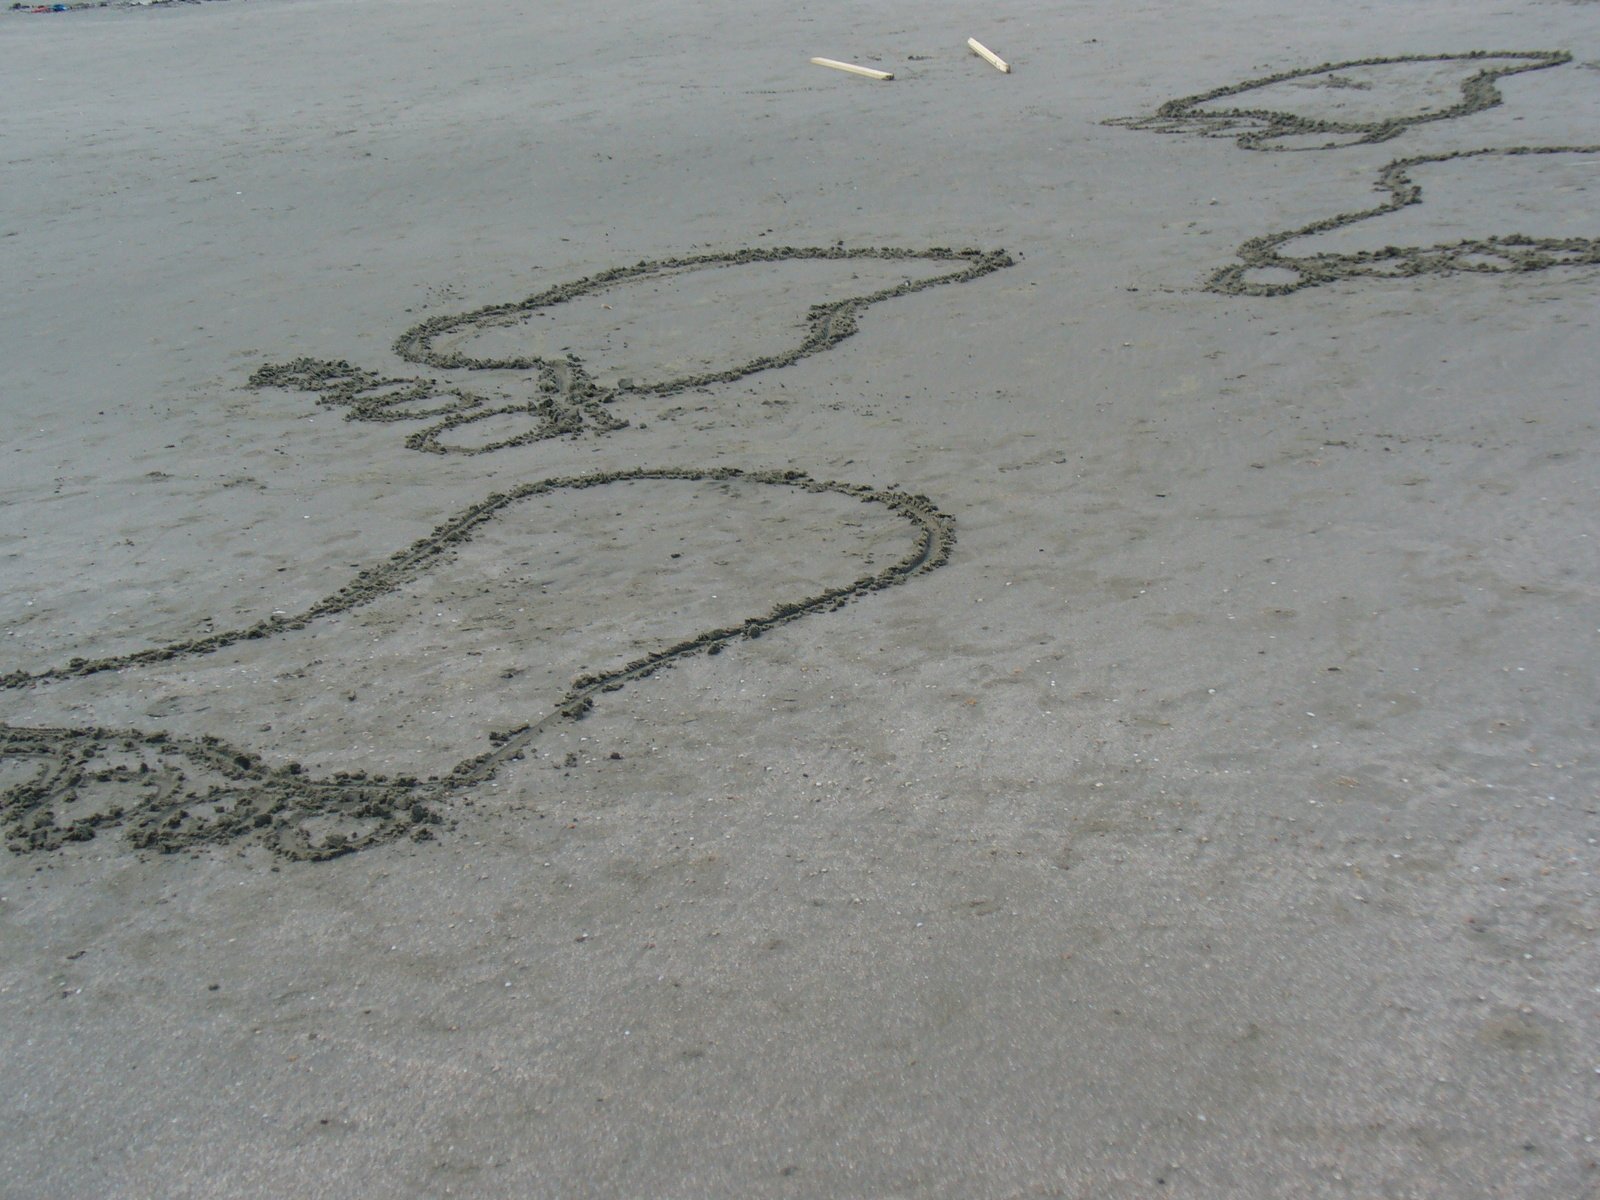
<point x="853" y="69"/>
<point x="993" y="59"/>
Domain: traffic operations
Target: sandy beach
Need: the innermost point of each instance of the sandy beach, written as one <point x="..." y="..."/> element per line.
<point x="593" y="609"/>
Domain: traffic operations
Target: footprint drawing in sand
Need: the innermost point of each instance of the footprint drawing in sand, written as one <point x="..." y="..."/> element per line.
<point x="564" y="397"/>
<point x="1488" y="211"/>
<point x="459" y="650"/>
<point x="1346" y="103"/>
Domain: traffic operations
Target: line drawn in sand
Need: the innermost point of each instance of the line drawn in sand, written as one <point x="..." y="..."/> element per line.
<point x="189" y="791"/>
<point x="60" y="785"/>
<point x="569" y="401"/>
<point x="1349" y="103"/>
<point x="1528" y="187"/>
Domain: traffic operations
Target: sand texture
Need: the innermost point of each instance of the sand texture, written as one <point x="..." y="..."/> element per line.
<point x="594" y="610"/>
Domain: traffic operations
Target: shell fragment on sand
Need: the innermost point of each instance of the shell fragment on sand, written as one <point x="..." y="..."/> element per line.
<point x="868" y="72"/>
<point x="988" y="55"/>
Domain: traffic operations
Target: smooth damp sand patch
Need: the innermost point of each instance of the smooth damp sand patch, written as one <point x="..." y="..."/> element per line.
<point x="1271" y="277"/>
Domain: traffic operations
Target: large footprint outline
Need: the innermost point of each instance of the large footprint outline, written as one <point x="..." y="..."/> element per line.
<point x="252" y="800"/>
<point x="569" y="401"/>
<point x="1269" y="129"/>
<point x="1496" y="254"/>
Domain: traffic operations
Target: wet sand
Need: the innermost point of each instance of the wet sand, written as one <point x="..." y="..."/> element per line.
<point x="593" y="609"/>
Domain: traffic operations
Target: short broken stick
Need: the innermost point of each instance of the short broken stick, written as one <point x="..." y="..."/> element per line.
<point x="988" y="55"/>
<point x="853" y="69"/>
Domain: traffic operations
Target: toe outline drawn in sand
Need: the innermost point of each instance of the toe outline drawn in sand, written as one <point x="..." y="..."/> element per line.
<point x="173" y="793"/>
<point x="1263" y="128"/>
<point x="1508" y="253"/>
<point x="569" y="400"/>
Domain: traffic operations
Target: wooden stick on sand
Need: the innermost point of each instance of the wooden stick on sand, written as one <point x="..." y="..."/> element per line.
<point x="853" y="69"/>
<point x="993" y="59"/>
